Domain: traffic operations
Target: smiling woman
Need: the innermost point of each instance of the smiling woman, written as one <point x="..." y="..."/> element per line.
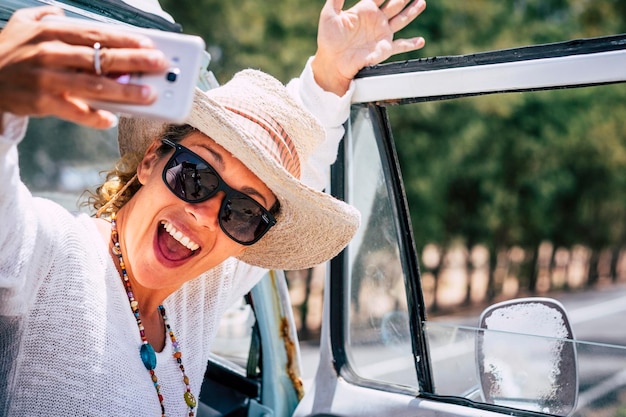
<point x="189" y="270"/>
<point x="186" y="226"/>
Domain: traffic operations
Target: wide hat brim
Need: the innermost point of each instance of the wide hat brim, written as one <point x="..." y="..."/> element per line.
<point x="312" y="227"/>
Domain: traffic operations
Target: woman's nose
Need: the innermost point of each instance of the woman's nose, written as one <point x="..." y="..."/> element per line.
<point x="207" y="212"/>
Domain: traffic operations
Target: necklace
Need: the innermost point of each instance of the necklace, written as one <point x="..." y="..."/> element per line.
<point x="146" y="351"/>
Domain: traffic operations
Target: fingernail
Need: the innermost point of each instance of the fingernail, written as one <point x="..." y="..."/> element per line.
<point x="112" y="119"/>
<point x="146" y="43"/>
<point x="146" y="91"/>
<point x="156" y="57"/>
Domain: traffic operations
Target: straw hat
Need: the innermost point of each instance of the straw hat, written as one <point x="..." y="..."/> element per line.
<point x="255" y="118"/>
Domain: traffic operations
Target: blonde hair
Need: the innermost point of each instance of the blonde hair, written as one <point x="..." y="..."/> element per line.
<point x="119" y="186"/>
<point x="121" y="182"/>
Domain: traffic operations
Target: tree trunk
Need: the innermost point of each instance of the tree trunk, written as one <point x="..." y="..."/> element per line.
<point x="614" y="263"/>
<point x="533" y="270"/>
<point x="592" y="275"/>
<point x="493" y="264"/>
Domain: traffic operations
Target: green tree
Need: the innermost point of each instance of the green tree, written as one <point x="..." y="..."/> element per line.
<point x="275" y="37"/>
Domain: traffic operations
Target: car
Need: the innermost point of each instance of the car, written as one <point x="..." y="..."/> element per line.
<point x="404" y="333"/>
<point x="382" y="354"/>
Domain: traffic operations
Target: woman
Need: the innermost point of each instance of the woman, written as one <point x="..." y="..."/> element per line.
<point x="115" y="315"/>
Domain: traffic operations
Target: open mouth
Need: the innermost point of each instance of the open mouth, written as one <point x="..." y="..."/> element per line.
<point x="174" y="245"/>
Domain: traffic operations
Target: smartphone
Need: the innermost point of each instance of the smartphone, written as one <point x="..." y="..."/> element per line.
<point x="174" y="87"/>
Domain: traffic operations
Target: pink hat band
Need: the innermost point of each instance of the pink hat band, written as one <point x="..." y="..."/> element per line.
<point x="271" y="136"/>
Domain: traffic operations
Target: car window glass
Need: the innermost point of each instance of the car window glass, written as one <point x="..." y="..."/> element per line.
<point x="379" y="341"/>
<point x="60" y="160"/>
<point x="234" y="335"/>
<point x="515" y="195"/>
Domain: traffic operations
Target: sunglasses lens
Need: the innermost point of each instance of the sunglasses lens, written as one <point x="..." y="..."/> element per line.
<point x="190" y="178"/>
<point x="243" y="219"/>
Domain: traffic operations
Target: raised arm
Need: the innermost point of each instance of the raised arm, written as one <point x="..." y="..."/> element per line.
<point x="348" y="40"/>
<point x="363" y="35"/>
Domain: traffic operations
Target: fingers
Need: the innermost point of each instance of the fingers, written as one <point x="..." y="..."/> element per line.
<point x="77" y="111"/>
<point x="59" y="93"/>
<point x="86" y="34"/>
<point x="131" y="60"/>
<point x="392" y="7"/>
<point x="90" y="86"/>
<point x="63" y="106"/>
<point x="72" y="46"/>
<point x="406" y="15"/>
<point x="36" y="13"/>
<point x="29" y="83"/>
<point x="335" y="5"/>
<point x="407" y="45"/>
<point x="62" y="55"/>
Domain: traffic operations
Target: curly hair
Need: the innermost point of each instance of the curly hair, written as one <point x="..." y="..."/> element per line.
<point x="121" y="183"/>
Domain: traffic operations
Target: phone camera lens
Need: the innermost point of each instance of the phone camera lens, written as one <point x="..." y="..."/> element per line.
<point x="172" y="75"/>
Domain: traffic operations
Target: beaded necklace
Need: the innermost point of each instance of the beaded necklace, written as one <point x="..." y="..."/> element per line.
<point x="146" y="351"/>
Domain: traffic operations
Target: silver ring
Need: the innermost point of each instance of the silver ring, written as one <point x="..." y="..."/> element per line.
<point x="96" y="58"/>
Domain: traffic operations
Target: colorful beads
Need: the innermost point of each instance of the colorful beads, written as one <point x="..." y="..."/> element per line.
<point x="146" y="351"/>
<point x="148" y="356"/>
<point x="190" y="399"/>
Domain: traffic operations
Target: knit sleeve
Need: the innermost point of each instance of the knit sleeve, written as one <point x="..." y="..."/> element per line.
<point x="245" y="277"/>
<point x="332" y="112"/>
<point x="18" y="234"/>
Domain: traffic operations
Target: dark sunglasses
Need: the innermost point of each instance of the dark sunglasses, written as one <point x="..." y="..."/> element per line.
<point x="193" y="180"/>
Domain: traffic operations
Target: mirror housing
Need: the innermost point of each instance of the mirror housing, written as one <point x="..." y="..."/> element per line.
<point x="526" y="356"/>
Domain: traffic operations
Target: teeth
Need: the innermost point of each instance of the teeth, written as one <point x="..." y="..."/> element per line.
<point x="178" y="235"/>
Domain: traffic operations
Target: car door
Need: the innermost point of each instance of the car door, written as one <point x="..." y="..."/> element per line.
<point x="403" y="332"/>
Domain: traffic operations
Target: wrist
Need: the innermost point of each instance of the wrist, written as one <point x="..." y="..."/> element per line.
<point x="328" y="77"/>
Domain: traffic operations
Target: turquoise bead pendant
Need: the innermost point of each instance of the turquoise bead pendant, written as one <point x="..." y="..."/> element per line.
<point x="148" y="356"/>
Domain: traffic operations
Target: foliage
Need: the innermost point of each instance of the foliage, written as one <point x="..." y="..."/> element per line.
<point x="53" y="150"/>
<point x="517" y="169"/>
<point x="274" y="37"/>
<point x="520" y="168"/>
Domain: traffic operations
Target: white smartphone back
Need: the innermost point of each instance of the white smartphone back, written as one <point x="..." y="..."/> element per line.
<point x="174" y="87"/>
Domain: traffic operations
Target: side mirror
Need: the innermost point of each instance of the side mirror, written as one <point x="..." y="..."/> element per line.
<point x="526" y="356"/>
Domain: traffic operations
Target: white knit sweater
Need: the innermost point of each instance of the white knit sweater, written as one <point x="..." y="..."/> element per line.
<point x="69" y="344"/>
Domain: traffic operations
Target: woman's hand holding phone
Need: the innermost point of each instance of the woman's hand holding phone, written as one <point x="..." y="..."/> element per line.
<point x="48" y="68"/>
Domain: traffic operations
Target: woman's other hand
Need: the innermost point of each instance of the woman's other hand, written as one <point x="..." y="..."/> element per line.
<point x="349" y="40"/>
<point x="48" y="68"/>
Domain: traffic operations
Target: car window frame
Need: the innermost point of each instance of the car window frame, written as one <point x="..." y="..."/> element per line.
<point x="338" y="266"/>
<point x="377" y="98"/>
